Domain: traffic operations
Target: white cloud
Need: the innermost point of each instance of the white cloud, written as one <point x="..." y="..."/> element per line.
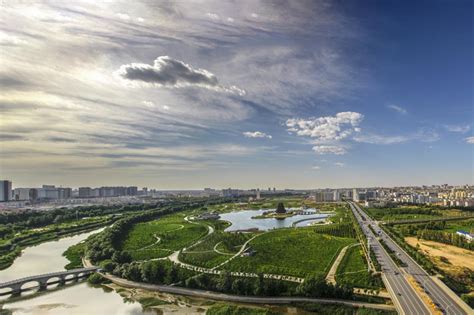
<point x="123" y="16"/>
<point x="316" y="167"/>
<point x="458" y="128"/>
<point x="6" y="39"/>
<point x="212" y="16"/>
<point x="470" y="140"/>
<point x="326" y="129"/>
<point x="329" y="149"/>
<point x="148" y="104"/>
<point x="254" y="15"/>
<point x="140" y="19"/>
<point x="340" y="164"/>
<point x="256" y="134"/>
<point x="229" y="19"/>
<point x="398" y="109"/>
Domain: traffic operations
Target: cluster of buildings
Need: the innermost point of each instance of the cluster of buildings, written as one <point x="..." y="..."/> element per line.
<point x="51" y="192"/>
<point x="328" y="195"/>
<point x="443" y="195"/>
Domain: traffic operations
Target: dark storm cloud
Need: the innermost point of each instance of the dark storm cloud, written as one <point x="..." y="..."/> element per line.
<point x="11" y="137"/>
<point x="169" y="72"/>
<point x="61" y="139"/>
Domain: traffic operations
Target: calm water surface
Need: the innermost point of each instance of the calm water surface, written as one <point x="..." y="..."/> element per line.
<point x="75" y="299"/>
<point x="242" y="220"/>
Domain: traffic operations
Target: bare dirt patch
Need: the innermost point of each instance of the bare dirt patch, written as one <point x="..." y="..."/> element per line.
<point x="458" y="259"/>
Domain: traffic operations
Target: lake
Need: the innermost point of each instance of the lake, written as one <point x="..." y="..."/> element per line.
<point x="242" y="220"/>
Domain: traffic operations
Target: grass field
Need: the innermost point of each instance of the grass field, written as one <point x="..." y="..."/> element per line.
<point x="160" y="237"/>
<point x="410" y="213"/>
<point x="454" y="226"/>
<point x="204" y="254"/>
<point x="353" y="271"/>
<point x="297" y="252"/>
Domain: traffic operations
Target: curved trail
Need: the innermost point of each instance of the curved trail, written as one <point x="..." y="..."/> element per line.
<point x="219" y="252"/>
<point x="237" y="254"/>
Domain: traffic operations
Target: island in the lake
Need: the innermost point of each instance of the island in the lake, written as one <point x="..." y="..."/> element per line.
<point x="281" y="213"/>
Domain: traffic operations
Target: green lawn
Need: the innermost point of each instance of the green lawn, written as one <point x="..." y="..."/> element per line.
<point x="173" y="231"/>
<point x="411" y="212"/>
<point x="204" y="255"/>
<point x="454" y="226"/>
<point x="353" y="271"/>
<point x="298" y="252"/>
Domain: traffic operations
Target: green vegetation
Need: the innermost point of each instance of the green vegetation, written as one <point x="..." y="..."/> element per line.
<point x="148" y="302"/>
<point x="74" y="254"/>
<point x="215" y="249"/>
<point x="338" y="229"/>
<point x="296" y="252"/>
<point x="353" y="271"/>
<point x="225" y="309"/>
<point x="411" y="213"/>
<point x="332" y="309"/>
<point x="158" y="238"/>
<point x="439" y="231"/>
<point x="96" y="278"/>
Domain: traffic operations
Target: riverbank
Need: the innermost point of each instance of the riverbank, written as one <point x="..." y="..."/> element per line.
<point x="46" y="235"/>
<point x="238" y="298"/>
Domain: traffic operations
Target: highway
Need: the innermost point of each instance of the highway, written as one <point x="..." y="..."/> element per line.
<point x="403" y="294"/>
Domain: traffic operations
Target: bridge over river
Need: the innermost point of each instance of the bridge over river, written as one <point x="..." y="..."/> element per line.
<point x="17" y="286"/>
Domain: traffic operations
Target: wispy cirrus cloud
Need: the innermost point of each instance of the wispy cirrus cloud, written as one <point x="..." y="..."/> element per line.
<point x="423" y="135"/>
<point x="256" y="134"/>
<point x="457" y="128"/>
<point x="398" y="109"/>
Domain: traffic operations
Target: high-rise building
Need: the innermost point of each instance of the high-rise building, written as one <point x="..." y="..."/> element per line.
<point x="5" y="190"/>
<point x="22" y="194"/>
<point x="355" y="195"/>
<point x="85" y="192"/>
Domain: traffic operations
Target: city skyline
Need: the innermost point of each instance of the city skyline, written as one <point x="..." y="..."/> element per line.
<point x="249" y="94"/>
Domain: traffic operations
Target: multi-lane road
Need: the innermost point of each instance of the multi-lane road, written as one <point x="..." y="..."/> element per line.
<point x="403" y="294"/>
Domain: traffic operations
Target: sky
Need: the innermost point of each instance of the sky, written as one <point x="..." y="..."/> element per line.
<point x="244" y="94"/>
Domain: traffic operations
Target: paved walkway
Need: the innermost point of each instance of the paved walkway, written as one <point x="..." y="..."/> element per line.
<point x="239" y="298"/>
<point x="331" y="276"/>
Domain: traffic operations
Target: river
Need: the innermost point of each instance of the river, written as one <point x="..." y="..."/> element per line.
<point x="83" y="298"/>
<point x="79" y="298"/>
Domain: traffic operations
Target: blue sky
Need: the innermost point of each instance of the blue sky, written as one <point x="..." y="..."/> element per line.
<point x="193" y="94"/>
